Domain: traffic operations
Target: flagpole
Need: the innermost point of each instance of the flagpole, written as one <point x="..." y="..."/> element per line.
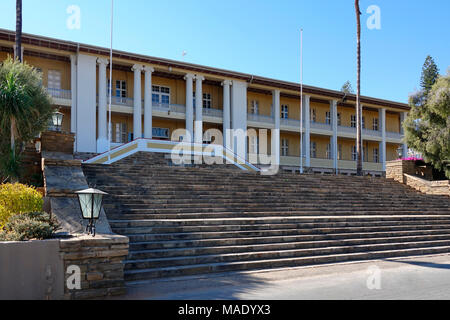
<point x="110" y="82"/>
<point x="301" y="101"/>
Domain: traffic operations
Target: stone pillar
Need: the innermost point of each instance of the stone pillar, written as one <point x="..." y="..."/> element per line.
<point x="382" y="117"/>
<point x="137" y="99"/>
<point x="307" y="134"/>
<point x="334" y="139"/>
<point x="102" y="140"/>
<point x="276" y="132"/>
<point x="226" y="114"/>
<point x="73" y="90"/>
<point x="148" y="105"/>
<point x="189" y="107"/>
<point x="198" y="124"/>
<point x="403" y="117"/>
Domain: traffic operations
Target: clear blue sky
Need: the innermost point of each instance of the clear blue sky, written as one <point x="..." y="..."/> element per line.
<point x="262" y="36"/>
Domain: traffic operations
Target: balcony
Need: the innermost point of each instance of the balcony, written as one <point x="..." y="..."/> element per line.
<point x="60" y="96"/>
<point x="261" y="119"/>
<point x="290" y="123"/>
<point x="211" y="112"/>
<point x="394" y="135"/>
<point x="121" y="101"/>
<point x="320" y="126"/>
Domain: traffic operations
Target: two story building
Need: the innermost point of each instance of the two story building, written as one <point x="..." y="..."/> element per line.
<point x="153" y="97"/>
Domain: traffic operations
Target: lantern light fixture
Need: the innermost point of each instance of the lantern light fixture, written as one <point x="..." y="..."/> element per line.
<point x="91" y="201"/>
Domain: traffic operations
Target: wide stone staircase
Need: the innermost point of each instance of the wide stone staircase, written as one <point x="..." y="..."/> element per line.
<point x="186" y="221"/>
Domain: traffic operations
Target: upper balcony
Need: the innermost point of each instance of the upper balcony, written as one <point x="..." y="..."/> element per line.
<point x="60" y="96"/>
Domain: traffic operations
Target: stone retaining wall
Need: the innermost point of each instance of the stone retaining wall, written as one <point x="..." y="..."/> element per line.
<point x="100" y="260"/>
<point x="406" y="172"/>
<point x="428" y="187"/>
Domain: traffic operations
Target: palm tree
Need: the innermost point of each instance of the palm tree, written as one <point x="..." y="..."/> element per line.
<point x="359" y="169"/>
<point x="18" y="30"/>
<point x="25" y="107"/>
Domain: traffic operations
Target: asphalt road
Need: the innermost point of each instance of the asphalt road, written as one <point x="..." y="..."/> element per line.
<point x="423" y="278"/>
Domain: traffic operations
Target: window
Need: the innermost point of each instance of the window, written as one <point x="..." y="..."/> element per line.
<point x="354" y="153"/>
<point x="376" y="157"/>
<point x="121" y="91"/>
<point x="284" y="112"/>
<point x="313" y="115"/>
<point x="353" y="121"/>
<point x="54" y="79"/>
<point x="329" y="151"/>
<point x="253" y="145"/>
<point x="340" y="152"/>
<point x="207" y="102"/>
<point x="161" y="133"/>
<point x="313" y="150"/>
<point x="121" y="134"/>
<point x="375" y="124"/>
<point x="284" y="147"/>
<point x="328" y="117"/>
<point x="160" y="95"/>
<point x="254" y="107"/>
<point x="339" y="120"/>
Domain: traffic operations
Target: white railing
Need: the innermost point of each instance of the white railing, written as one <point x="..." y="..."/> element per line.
<point x="394" y="135"/>
<point x="373" y="133"/>
<point x="213" y="112"/>
<point x="260" y="118"/>
<point x="320" y="125"/>
<point x="119" y="101"/>
<point x="59" y="93"/>
<point x="175" y="108"/>
<point x="290" y="122"/>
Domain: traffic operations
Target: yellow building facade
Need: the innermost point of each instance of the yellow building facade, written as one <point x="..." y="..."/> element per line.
<point x="153" y="97"/>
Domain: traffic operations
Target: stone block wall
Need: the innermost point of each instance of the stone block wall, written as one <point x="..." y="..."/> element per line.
<point x="396" y="169"/>
<point x="100" y="260"/>
<point x="52" y="141"/>
<point x="428" y="187"/>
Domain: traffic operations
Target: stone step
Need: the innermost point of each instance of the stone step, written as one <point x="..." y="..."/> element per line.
<point x="275" y="229"/>
<point x="171" y="241"/>
<point x="280" y="246"/>
<point x="204" y="268"/>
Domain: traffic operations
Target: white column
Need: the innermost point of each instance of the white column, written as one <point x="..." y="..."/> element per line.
<point x="198" y="124"/>
<point x="275" y="141"/>
<point x="239" y="118"/>
<point x="189" y="107"/>
<point x="307" y="134"/>
<point x="148" y="106"/>
<point x="403" y="117"/>
<point x="334" y="140"/>
<point x="382" y="116"/>
<point x="86" y="103"/>
<point x="137" y="99"/>
<point x="226" y="114"/>
<point x="102" y="140"/>
<point x="73" y="90"/>
<point x="21" y="54"/>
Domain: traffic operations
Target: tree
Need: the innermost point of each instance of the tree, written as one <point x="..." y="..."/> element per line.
<point x="427" y="127"/>
<point x="430" y="74"/>
<point x="359" y="169"/>
<point x="25" y="108"/>
<point x="18" y="30"/>
<point x="347" y="87"/>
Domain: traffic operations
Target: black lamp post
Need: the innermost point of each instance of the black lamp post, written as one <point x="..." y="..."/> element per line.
<point x="57" y="119"/>
<point x="91" y="205"/>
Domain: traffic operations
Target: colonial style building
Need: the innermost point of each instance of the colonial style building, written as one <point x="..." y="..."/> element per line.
<point x="152" y="97"/>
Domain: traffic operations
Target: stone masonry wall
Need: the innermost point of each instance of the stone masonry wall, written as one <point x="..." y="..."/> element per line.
<point x="100" y="260"/>
<point x="428" y="187"/>
<point x="52" y="141"/>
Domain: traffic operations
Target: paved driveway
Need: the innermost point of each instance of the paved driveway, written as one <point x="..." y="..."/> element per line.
<point x="425" y="277"/>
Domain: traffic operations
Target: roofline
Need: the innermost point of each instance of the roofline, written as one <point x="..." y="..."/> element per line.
<point x="74" y="47"/>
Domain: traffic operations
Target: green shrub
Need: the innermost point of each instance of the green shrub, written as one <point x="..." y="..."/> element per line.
<point x="17" y="199"/>
<point x="29" y="226"/>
